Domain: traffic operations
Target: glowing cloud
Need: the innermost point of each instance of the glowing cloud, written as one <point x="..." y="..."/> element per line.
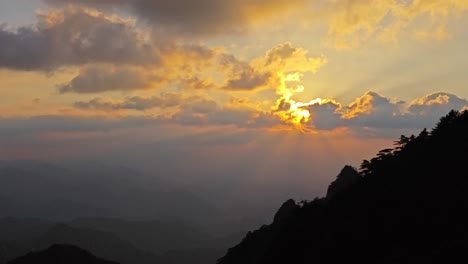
<point x="289" y="110"/>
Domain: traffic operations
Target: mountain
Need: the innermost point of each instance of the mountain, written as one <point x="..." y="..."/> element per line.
<point x="124" y="241"/>
<point x="17" y="236"/>
<point x="406" y="205"/>
<point x="17" y="229"/>
<point x="155" y="236"/>
<point x="43" y="190"/>
<point x="103" y="244"/>
<point x="60" y="254"/>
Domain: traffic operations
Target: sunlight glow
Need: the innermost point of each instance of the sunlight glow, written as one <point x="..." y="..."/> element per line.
<point x="291" y="111"/>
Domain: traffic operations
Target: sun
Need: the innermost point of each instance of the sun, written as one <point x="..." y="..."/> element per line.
<point x="297" y="114"/>
<point x="289" y="110"/>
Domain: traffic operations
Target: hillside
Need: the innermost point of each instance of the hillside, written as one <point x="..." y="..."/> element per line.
<point x="100" y="243"/>
<point x="60" y="254"/>
<point x="406" y="205"/>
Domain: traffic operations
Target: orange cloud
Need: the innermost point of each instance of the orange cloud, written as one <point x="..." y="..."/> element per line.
<point x="370" y="103"/>
<point x="280" y="64"/>
<point x="350" y="22"/>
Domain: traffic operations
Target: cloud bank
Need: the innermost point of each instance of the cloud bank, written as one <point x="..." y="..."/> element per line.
<point x="372" y="110"/>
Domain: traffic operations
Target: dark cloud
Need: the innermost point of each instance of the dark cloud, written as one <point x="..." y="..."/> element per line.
<point x="326" y="116"/>
<point x="113" y="55"/>
<point x="280" y="53"/>
<point x="196" y="17"/>
<point x="248" y="79"/>
<point x="95" y="79"/>
<point x="241" y="75"/>
<point x="73" y="37"/>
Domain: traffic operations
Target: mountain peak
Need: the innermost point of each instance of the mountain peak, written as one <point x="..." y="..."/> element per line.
<point x="286" y="211"/>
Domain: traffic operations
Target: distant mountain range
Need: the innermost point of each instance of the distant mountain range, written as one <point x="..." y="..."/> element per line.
<point x="85" y="204"/>
<point x="406" y="205"/>
<point x="42" y="190"/>
<point x="115" y="239"/>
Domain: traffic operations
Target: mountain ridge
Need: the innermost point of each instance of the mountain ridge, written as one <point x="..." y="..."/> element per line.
<point x="407" y="206"/>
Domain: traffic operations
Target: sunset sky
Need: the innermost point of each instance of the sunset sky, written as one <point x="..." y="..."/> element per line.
<point x="260" y="94"/>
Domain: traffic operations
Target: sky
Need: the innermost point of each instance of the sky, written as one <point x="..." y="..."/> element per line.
<point x="262" y="96"/>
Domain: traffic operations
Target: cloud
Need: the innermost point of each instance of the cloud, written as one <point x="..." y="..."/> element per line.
<point x="286" y="58"/>
<point x="326" y="115"/>
<point x="206" y="112"/>
<point x="377" y="111"/>
<point x="140" y="103"/>
<point x="113" y="54"/>
<point x="241" y="75"/>
<point x="248" y="79"/>
<point x="280" y="53"/>
<point x="372" y="104"/>
<point x="197" y="83"/>
<point x="378" y="119"/>
<point x="268" y="71"/>
<point x="370" y="111"/>
<point x="198" y="68"/>
<point x="351" y="23"/>
<point x="196" y="17"/>
<point x="373" y="110"/>
<point x="437" y="104"/>
<point x="95" y="79"/>
<point x="82" y="37"/>
<point x="187" y="110"/>
<point x="74" y="37"/>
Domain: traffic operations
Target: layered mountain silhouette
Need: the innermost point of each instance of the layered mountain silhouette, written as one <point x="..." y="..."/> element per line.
<point x="124" y="241"/>
<point x="408" y="204"/>
<point x="155" y="236"/>
<point x="56" y="192"/>
<point x="100" y="243"/>
<point x="60" y="254"/>
<point x="94" y="203"/>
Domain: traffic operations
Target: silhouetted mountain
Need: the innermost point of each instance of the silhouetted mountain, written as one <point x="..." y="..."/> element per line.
<point x="12" y="249"/>
<point x="345" y="180"/>
<point x="60" y="254"/>
<point x="287" y="210"/>
<point x="100" y="243"/>
<point x="406" y="205"/>
<point x="17" y="236"/>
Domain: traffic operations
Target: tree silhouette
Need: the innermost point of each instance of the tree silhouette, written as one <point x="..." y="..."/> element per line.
<point x="408" y="204"/>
